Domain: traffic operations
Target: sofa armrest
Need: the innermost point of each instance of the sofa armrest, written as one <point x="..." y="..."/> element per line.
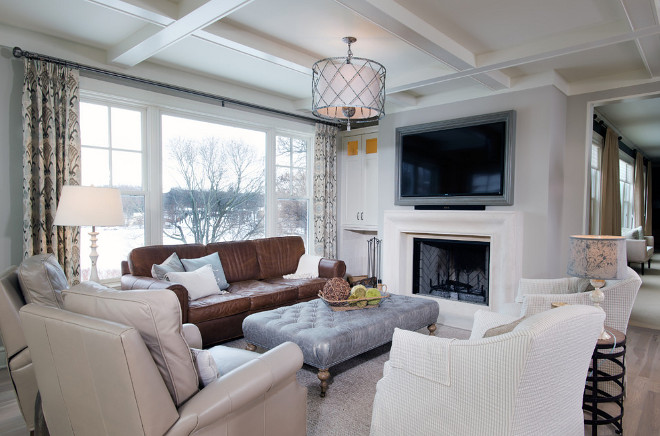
<point x="329" y="268"/>
<point x="650" y="241"/>
<point x="636" y="250"/>
<point x="240" y="388"/>
<point x="129" y="282"/>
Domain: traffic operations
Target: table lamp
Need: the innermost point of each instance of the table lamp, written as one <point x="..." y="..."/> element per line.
<point x="597" y="258"/>
<point x="90" y="206"/>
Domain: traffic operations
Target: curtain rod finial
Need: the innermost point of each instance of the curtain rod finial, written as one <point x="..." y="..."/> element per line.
<point x="17" y="52"/>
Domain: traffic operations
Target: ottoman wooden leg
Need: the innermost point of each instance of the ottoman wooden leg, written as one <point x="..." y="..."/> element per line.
<point x="323" y="375"/>
<point x="431" y="328"/>
<point x="251" y="347"/>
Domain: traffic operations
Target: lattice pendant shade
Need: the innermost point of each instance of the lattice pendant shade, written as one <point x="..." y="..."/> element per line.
<point x="348" y="89"/>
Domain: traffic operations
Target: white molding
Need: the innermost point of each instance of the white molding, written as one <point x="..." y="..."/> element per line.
<point x="504" y="231"/>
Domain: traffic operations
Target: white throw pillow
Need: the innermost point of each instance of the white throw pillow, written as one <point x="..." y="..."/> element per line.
<point x="199" y="283"/>
<point x="207" y="371"/>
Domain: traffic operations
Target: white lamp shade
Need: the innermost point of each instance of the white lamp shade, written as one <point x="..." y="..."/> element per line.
<point x="597" y="257"/>
<point x="89" y="206"/>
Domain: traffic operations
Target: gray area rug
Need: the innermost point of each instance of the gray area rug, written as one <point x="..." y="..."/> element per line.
<point x="346" y="408"/>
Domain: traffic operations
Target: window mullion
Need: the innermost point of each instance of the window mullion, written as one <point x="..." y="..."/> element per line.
<point x="271" y="173"/>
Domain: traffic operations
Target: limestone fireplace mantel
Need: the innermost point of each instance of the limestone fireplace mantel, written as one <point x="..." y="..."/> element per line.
<point x="503" y="230"/>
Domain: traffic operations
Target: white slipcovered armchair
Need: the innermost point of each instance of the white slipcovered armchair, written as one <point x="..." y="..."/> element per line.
<point x="528" y="381"/>
<point x="537" y="295"/>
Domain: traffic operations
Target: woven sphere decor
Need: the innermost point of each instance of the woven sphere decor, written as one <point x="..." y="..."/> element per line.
<point x="336" y="289"/>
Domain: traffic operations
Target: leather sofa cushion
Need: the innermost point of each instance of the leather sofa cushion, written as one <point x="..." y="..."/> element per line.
<point x="217" y="306"/>
<point x="42" y="280"/>
<point x="238" y="259"/>
<point x="307" y="288"/>
<point x="156" y="315"/>
<point x="141" y="259"/>
<point x="264" y="295"/>
<point x="278" y="256"/>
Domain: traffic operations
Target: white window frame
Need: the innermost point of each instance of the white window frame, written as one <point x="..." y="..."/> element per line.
<point x="155" y="105"/>
<point x="597" y="146"/>
<point x="627" y="188"/>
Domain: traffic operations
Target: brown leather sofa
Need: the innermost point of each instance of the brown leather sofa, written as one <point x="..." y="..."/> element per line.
<point x="254" y="270"/>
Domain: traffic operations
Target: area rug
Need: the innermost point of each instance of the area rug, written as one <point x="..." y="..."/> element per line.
<point x="346" y="409"/>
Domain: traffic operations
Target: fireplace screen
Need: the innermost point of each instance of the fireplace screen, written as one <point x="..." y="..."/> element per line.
<point x="451" y="269"/>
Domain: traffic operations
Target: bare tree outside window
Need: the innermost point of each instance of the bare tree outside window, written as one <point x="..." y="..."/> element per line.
<point x="219" y="191"/>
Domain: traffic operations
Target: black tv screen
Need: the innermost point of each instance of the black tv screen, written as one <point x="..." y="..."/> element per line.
<point x="468" y="161"/>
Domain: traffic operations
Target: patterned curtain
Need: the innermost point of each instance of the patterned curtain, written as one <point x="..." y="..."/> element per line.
<point x="610" y="205"/>
<point x="51" y="159"/>
<point x="325" y="191"/>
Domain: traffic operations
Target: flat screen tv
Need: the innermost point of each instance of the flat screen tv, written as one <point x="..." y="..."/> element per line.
<point x="460" y="162"/>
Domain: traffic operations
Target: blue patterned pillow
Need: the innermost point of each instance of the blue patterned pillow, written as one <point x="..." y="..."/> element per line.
<point x="212" y="259"/>
<point x="171" y="264"/>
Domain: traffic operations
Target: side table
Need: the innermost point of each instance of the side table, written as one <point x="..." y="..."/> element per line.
<point x="605" y="382"/>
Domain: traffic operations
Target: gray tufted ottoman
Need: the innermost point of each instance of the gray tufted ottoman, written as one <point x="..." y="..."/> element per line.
<point x="327" y="338"/>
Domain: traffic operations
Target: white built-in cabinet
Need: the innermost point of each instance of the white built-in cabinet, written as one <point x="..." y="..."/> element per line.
<point x="360" y="180"/>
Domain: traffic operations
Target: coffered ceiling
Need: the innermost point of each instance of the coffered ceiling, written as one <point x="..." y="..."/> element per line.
<point x="434" y="51"/>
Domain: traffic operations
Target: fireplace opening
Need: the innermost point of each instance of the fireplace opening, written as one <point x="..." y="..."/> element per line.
<point x="451" y="269"/>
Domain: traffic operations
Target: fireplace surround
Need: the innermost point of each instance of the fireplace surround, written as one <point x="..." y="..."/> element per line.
<point x="501" y="229"/>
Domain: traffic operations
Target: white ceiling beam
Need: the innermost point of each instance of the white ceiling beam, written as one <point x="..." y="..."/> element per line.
<point x="149" y="41"/>
<point x="640" y="14"/>
<point x="219" y="33"/>
<point x="541" y="55"/>
<point x="408" y="27"/>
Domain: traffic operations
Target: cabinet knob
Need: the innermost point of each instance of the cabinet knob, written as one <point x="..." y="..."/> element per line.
<point x="357" y="216"/>
<point x="362" y="216"/>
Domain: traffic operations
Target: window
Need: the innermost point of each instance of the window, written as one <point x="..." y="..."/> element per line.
<point x="596" y="159"/>
<point x="112" y="155"/>
<point x="190" y="172"/>
<point x="291" y="186"/>
<point x="626" y="181"/>
<point x="213" y="181"/>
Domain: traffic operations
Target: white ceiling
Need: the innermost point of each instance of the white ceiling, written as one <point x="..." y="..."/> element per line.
<point x="434" y="51"/>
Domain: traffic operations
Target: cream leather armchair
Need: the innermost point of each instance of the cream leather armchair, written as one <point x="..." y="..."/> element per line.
<point x="119" y="362"/>
<point x="528" y="381"/>
<point x="38" y="279"/>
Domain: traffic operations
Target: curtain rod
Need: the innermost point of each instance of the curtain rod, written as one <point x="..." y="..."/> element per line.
<point x="19" y="53"/>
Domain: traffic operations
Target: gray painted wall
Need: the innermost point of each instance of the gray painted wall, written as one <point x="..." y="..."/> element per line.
<point x="538" y="184"/>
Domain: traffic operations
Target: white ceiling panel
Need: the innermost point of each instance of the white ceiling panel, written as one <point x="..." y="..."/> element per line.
<point x="434" y="51"/>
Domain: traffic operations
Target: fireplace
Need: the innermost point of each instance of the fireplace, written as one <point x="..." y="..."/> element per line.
<point x="451" y="269"/>
<point x="501" y="230"/>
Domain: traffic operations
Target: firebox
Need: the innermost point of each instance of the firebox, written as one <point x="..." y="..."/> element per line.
<point x="451" y="269"/>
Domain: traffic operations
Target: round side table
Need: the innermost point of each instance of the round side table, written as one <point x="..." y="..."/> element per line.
<point x="605" y="382"/>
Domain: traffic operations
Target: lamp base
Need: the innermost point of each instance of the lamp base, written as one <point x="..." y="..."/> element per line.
<point x="93" y="255"/>
<point x="598" y="297"/>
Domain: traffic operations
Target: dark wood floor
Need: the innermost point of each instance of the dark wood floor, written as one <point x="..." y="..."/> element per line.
<point x="642" y="404"/>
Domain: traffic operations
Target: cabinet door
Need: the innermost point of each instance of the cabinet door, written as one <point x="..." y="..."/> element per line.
<point x="370" y="191"/>
<point x="352" y="181"/>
